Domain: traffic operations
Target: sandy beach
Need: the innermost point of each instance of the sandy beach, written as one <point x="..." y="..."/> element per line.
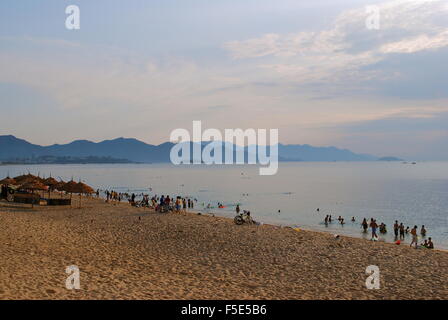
<point x="134" y="253"/>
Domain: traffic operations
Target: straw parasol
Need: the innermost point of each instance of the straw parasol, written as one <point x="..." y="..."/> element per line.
<point x="51" y="183"/>
<point x="70" y="187"/>
<point x="82" y="188"/>
<point x="26" y="177"/>
<point x="32" y="184"/>
<point x="59" y="186"/>
<point x="8" y="181"/>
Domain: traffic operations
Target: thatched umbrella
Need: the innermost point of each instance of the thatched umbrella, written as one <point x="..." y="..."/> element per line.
<point x="32" y="184"/>
<point x="8" y="181"/>
<point x="59" y="186"/>
<point x="25" y="177"/>
<point x="70" y="187"/>
<point x="82" y="188"/>
<point x="51" y="183"/>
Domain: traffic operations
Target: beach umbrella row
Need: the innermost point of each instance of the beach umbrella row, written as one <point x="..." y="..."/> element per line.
<point x="32" y="182"/>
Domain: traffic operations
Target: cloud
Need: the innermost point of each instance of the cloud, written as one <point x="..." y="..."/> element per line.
<point x="418" y="43"/>
<point x="342" y="52"/>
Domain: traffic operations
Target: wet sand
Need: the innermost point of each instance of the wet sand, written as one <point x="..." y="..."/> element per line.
<point x="135" y="253"/>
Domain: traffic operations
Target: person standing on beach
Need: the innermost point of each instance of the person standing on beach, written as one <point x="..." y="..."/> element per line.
<point x="374" y="226"/>
<point x="364" y="225"/>
<point x="401" y="227"/>
<point x="396" y="227"/>
<point x="237" y="209"/>
<point x="414" y="237"/>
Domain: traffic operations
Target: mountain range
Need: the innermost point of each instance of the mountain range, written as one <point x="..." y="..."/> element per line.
<point x="133" y="150"/>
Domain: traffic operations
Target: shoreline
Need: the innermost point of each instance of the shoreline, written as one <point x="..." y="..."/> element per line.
<point x="329" y="232"/>
<point x="125" y="252"/>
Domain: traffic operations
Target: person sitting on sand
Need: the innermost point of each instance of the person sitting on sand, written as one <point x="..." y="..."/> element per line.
<point x="424" y="244"/>
<point x="423" y="231"/>
<point x="414" y="237"/>
<point x="364" y="225"/>
<point x="430" y="245"/>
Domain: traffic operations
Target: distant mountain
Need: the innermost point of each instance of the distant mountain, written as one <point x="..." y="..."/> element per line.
<point x="14" y="149"/>
<point x="390" y="159"/>
<point x="293" y="152"/>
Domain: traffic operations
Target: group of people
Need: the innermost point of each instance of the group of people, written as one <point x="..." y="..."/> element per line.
<point x="159" y="203"/>
<point x="112" y="196"/>
<point x="328" y="219"/>
<point x="399" y="231"/>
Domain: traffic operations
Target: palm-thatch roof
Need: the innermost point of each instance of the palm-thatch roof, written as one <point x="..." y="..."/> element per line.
<point x="8" y="181"/>
<point x="51" y="182"/>
<point x="83" y="188"/>
<point x="33" y="185"/>
<point x="26" y="177"/>
<point x="70" y="187"/>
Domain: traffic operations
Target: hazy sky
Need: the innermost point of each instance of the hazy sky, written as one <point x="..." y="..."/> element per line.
<point x="312" y="69"/>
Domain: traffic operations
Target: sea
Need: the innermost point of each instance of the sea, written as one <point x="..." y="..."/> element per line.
<point x="300" y="195"/>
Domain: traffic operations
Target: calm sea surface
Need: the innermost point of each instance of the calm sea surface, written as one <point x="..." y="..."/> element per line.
<point x="388" y="191"/>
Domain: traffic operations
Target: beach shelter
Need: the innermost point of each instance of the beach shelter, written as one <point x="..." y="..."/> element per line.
<point x="82" y="188"/>
<point x="59" y="186"/>
<point x="70" y="187"/>
<point x="32" y="184"/>
<point x="51" y="183"/>
<point x="79" y="188"/>
<point x="8" y="181"/>
<point x="25" y="178"/>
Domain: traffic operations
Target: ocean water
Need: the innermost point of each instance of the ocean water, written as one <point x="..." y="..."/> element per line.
<point x="387" y="191"/>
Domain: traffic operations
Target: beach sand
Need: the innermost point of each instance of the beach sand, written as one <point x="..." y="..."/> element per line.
<point x="134" y="253"/>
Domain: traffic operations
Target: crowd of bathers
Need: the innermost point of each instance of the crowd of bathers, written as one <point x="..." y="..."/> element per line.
<point x="159" y="203"/>
<point x="400" y="232"/>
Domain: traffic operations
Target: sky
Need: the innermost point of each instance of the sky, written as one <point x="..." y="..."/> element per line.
<point x="311" y="69"/>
